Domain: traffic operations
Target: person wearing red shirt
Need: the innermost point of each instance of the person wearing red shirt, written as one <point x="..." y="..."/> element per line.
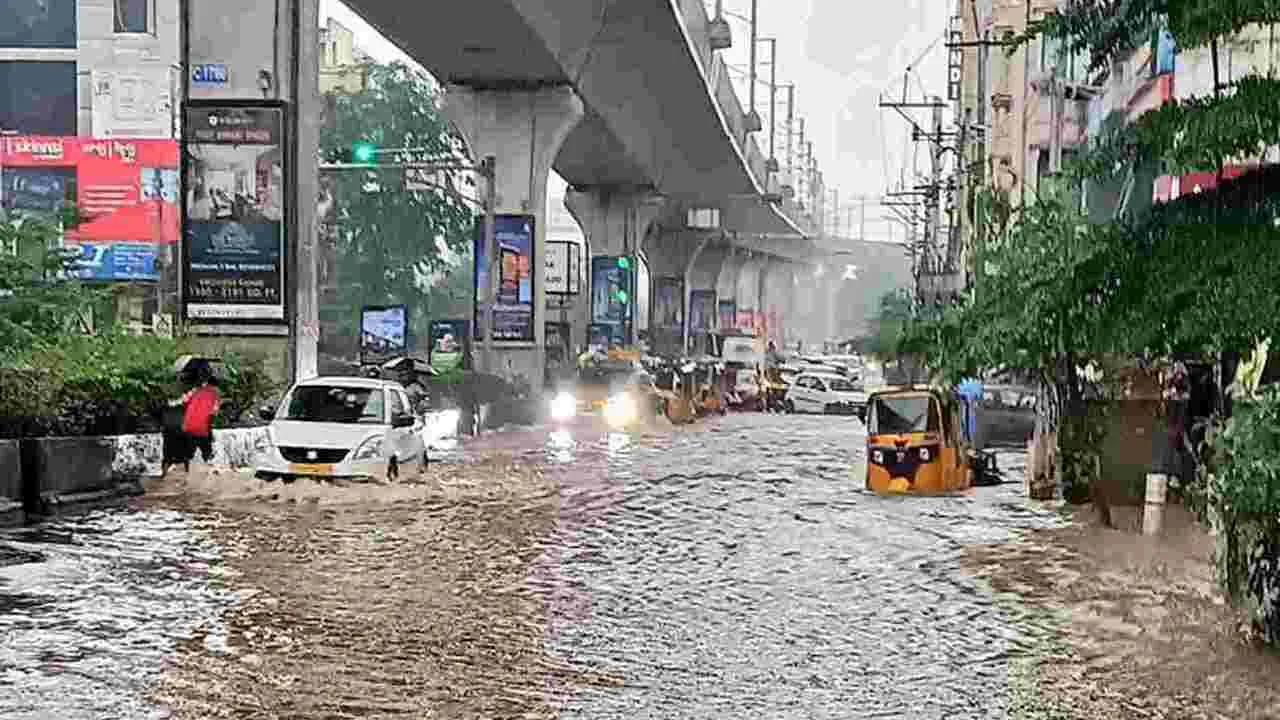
<point x="201" y="405"/>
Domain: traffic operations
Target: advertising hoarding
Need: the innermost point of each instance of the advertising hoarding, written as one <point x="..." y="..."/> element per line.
<point x="116" y="261"/>
<point x="612" y="282"/>
<point x="564" y="268"/>
<point x="728" y="314"/>
<point x="702" y="310"/>
<point x="384" y="332"/>
<point x="449" y="342"/>
<point x="127" y="189"/>
<point x="234" y="257"/>
<point x="668" y="303"/>
<point x="513" y="314"/>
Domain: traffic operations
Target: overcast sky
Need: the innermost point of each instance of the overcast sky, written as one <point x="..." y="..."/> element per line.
<point x="841" y="54"/>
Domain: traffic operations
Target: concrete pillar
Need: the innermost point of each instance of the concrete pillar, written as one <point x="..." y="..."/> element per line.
<point x="778" y="299"/>
<point x="270" y="51"/>
<point x="671" y="256"/>
<point x="750" y="278"/>
<point x="614" y="221"/>
<point x="703" y="275"/>
<point x="522" y="129"/>
<point x="727" y="281"/>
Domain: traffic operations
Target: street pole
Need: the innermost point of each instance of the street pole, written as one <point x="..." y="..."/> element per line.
<point x="937" y="174"/>
<point x="491" y="259"/>
<point x="773" y="96"/>
<point x="791" y="108"/>
<point x="1026" y="103"/>
<point x="751" y="85"/>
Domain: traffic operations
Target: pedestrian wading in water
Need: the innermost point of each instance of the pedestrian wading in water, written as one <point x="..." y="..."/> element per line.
<point x="200" y="405"/>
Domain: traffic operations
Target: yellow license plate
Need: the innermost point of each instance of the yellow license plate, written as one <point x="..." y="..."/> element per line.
<point x="301" y="469"/>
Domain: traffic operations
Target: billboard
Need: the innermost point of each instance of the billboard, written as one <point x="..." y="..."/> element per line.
<point x="115" y="261"/>
<point x="384" y="332"/>
<point x="234" y="211"/>
<point x="702" y="310"/>
<point x="668" y="303"/>
<point x="728" y="314"/>
<point x="564" y="268"/>
<point x="612" y="280"/>
<point x="126" y="189"/>
<point x="513" y="313"/>
<point x="449" y="340"/>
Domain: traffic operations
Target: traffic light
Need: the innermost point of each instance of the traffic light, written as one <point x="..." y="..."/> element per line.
<point x="620" y="296"/>
<point x="363" y="152"/>
<point x="624" y="263"/>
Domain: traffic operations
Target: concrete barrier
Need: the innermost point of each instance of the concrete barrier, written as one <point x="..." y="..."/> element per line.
<point x="71" y="470"/>
<point x="10" y="483"/>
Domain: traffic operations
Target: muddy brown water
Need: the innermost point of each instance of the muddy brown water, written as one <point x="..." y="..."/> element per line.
<point x="730" y="569"/>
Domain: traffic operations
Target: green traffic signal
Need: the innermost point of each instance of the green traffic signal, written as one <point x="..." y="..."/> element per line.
<point x="621" y="296"/>
<point x="624" y="263"/>
<point x="363" y="152"/>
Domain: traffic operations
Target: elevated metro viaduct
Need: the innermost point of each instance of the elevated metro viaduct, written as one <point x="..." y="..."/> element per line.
<point x="625" y="99"/>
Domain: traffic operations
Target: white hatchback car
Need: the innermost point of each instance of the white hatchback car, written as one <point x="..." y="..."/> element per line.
<point x="341" y="427"/>
<point x="825" y="393"/>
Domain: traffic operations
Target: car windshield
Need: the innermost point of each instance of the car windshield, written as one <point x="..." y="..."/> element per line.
<point x="336" y="404"/>
<point x="840" y="385"/>
<point x="902" y="415"/>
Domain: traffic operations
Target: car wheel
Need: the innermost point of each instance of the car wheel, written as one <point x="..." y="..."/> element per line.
<point x="426" y="460"/>
<point x="393" y="469"/>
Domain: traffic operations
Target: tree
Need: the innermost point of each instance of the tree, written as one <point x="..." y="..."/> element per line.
<point x="390" y="241"/>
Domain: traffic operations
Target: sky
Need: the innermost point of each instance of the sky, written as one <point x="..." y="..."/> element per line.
<point x="841" y="54"/>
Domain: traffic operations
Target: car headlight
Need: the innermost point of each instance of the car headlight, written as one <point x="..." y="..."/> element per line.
<point x="924" y="454"/>
<point x="877" y="456"/>
<point x="620" y="410"/>
<point x="564" y="406"/>
<point x="370" y="449"/>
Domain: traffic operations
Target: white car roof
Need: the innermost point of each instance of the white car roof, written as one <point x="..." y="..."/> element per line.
<point x="345" y="381"/>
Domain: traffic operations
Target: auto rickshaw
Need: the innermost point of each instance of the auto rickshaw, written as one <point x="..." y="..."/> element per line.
<point x="678" y="398"/>
<point x="915" y="443"/>
<point x="710" y="388"/>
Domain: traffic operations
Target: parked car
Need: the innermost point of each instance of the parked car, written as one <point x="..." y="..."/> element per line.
<point x="341" y="427"/>
<point x="825" y="393"/>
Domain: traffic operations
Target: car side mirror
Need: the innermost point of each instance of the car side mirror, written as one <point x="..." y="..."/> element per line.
<point x="402" y="420"/>
<point x="266" y="412"/>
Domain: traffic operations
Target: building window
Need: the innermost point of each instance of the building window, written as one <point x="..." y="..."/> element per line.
<point x="38" y="24"/>
<point x="133" y="16"/>
<point x="37" y="98"/>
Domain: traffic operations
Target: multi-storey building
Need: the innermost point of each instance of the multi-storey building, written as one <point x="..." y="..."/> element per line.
<point x="343" y="66"/>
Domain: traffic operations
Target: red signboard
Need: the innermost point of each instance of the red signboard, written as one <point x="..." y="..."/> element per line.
<point x="1171" y="187"/>
<point x="127" y="189"/>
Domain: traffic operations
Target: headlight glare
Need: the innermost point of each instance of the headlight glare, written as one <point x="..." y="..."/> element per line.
<point x="620" y="410"/>
<point x="563" y="406"/>
<point x="877" y="456"/>
<point x="924" y="454"/>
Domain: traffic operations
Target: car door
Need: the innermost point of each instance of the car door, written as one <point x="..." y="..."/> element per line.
<point x="819" y="394"/>
<point x="799" y="394"/>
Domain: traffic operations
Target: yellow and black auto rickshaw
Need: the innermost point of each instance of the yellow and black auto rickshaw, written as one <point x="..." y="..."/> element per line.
<point x="915" y="442"/>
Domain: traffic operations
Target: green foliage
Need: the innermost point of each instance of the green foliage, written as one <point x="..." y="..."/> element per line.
<point x="887" y="327"/>
<point x="37" y="301"/>
<point x="389" y="240"/>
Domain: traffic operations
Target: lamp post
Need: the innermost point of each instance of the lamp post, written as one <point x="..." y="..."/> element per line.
<point x="773" y="102"/>
<point x="753" y="118"/>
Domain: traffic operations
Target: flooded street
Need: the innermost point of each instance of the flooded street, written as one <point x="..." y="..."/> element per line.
<point x="730" y="569"/>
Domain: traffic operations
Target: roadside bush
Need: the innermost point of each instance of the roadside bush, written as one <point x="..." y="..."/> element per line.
<point x="111" y="384"/>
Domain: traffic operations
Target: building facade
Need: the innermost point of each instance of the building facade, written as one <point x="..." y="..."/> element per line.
<point x="343" y="66"/>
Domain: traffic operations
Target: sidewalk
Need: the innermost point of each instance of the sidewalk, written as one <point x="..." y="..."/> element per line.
<point x="1134" y="626"/>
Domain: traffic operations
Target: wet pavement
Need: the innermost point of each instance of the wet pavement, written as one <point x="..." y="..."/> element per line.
<point x="734" y="568"/>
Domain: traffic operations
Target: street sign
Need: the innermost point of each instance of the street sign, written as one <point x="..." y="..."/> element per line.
<point x="209" y="75"/>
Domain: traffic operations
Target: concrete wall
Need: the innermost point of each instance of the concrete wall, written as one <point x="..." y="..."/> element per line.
<point x="151" y="56"/>
<point x="10" y="480"/>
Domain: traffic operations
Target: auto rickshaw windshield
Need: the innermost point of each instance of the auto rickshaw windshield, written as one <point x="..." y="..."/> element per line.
<point x="902" y="415"/>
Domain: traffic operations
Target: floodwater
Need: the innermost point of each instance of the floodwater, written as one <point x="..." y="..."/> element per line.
<point x="730" y="569"/>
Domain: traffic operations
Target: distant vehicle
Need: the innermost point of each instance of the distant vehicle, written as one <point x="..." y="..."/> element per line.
<point x="826" y="393"/>
<point x="341" y="427"/>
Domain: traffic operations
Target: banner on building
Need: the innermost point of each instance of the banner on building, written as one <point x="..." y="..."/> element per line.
<point x="728" y="310"/>
<point x="702" y="310"/>
<point x="126" y="189"/>
<point x="513" y="314"/>
<point x="234" y="208"/>
<point x="133" y="103"/>
<point x="384" y="333"/>
<point x="612" y="284"/>
<point x="116" y="261"/>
